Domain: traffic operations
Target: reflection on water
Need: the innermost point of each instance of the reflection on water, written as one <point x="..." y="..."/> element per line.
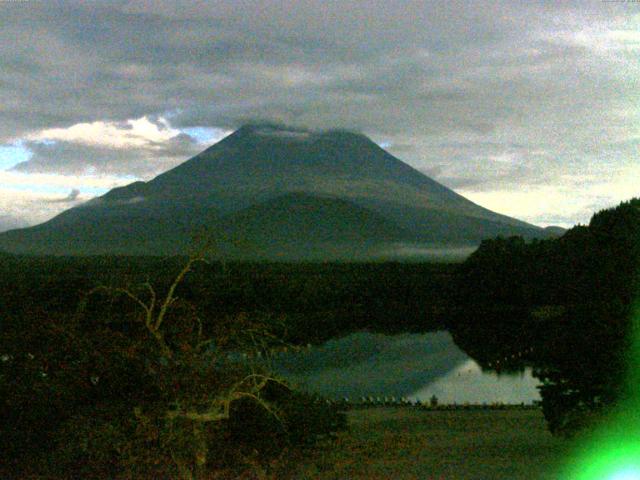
<point x="468" y="383"/>
<point x="408" y="365"/>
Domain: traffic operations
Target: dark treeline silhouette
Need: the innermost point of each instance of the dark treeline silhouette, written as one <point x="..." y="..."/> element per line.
<point x="563" y="306"/>
<point x="312" y="301"/>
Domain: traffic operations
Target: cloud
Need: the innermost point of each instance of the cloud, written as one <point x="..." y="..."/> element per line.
<point x="9" y="222"/>
<point x="138" y="133"/>
<point x="292" y="135"/>
<point x="141" y="147"/>
<point x="36" y="197"/>
<point x="453" y="85"/>
<point x="573" y="202"/>
<point x="71" y="198"/>
<point x="138" y="147"/>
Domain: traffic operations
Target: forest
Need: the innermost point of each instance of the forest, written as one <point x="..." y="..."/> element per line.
<point x="98" y="379"/>
<point x="564" y="306"/>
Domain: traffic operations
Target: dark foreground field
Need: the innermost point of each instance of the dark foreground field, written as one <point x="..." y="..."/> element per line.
<point x="404" y="443"/>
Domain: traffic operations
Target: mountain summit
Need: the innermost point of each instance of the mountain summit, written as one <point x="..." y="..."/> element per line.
<point x="269" y="192"/>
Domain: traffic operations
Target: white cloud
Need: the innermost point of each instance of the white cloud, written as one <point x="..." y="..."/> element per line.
<point x="136" y="133"/>
<point x="9" y="222"/>
<point x="29" y="207"/>
<point x="43" y="182"/>
<point x="603" y="39"/>
<point x="142" y="147"/>
<point x="35" y="198"/>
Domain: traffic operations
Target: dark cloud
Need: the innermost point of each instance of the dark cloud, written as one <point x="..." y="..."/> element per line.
<point x="452" y="85"/>
<point x="70" y="198"/>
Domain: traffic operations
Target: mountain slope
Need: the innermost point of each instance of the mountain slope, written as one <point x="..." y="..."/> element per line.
<point x="303" y="226"/>
<point x="281" y="185"/>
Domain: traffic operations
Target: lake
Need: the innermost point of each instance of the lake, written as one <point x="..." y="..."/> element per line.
<point x="414" y="366"/>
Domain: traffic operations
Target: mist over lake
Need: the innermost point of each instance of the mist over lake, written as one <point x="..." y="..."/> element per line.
<point x="427" y="252"/>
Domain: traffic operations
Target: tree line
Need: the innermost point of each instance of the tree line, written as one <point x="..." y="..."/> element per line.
<point x="564" y="306"/>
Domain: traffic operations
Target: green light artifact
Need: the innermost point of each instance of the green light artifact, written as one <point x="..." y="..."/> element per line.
<point x="613" y="451"/>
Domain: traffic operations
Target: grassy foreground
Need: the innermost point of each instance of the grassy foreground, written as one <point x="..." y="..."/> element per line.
<point x="404" y="443"/>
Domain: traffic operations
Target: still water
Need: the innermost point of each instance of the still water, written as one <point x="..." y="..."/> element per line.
<point x="467" y="383"/>
<point x="415" y="366"/>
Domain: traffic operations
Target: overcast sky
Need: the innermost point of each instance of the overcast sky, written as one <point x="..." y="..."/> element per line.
<point x="529" y="108"/>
